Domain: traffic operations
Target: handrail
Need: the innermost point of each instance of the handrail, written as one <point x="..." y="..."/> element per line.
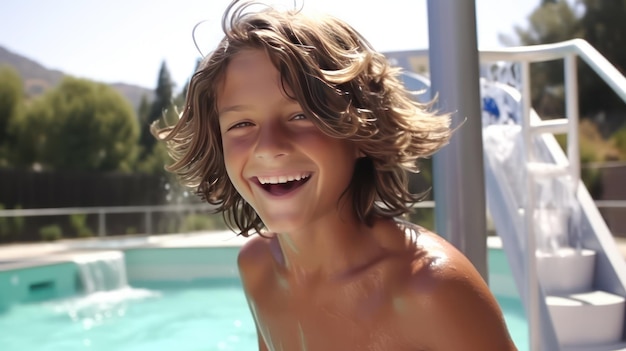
<point x="146" y="210"/>
<point x="103" y="211"/>
<point x="66" y="211"/>
<point x="547" y="52"/>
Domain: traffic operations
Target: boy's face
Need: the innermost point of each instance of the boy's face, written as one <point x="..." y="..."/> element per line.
<point x="290" y="172"/>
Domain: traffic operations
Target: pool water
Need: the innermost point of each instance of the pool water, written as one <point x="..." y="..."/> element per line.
<point x="207" y="317"/>
<point x="159" y="317"/>
<point x="516" y="321"/>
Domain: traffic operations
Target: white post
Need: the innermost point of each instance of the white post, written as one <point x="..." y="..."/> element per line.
<point x="532" y="283"/>
<point x="571" y="113"/>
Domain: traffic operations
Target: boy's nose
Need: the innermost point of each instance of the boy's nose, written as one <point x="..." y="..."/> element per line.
<point x="272" y="142"/>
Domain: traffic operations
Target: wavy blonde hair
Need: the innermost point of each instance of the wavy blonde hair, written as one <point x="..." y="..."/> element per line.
<point x="347" y="88"/>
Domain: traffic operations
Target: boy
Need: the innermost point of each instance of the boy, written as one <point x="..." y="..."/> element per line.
<point x="299" y="131"/>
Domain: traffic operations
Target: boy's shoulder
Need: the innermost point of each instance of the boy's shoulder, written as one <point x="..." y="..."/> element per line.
<point x="436" y="267"/>
<point x="445" y="288"/>
<point x="255" y="259"/>
<point x="256" y="251"/>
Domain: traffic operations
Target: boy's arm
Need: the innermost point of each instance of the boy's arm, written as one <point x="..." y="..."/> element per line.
<point x="262" y="346"/>
<point x="249" y="262"/>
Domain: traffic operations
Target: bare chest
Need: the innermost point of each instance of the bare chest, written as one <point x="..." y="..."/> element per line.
<point x="358" y="316"/>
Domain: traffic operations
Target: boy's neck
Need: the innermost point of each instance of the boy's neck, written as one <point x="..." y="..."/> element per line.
<point x="332" y="250"/>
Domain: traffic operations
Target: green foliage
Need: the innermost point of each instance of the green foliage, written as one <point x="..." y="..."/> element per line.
<point x="11" y="100"/>
<point x="619" y="141"/>
<point x="50" y="233"/>
<point x="162" y="107"/>
<point x="593" y="149"/>
<point x="5" y="229"/>
<point x="79" y="224"/>
<point x="81" y="125"/>
<point x="590" y="175"/>
<point x="18" y="223"/>
<point x="196" y="222"/>
<point x="155" y="161"/>
<point x="10" y="227"/>
<point x="602" y="25"/>
<point x="552" y="22"/>
<point x="424" y="217"/>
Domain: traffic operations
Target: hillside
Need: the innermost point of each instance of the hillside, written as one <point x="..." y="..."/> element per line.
<point x="37" y="78"/>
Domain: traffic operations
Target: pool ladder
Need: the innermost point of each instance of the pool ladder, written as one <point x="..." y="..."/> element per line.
<point x="583" y="314"/>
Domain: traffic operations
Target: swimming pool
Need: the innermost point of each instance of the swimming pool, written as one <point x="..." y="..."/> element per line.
<point x="207" y="317"/>
<point x="191" y="299"/>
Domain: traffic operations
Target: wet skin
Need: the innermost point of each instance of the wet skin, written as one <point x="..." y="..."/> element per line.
<point x="320" y="280"/>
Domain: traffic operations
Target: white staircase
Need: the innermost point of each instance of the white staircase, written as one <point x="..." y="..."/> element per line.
<point x="559" y="277"/>
<point x="574" y="291"/>
<point x="582" y="315"/>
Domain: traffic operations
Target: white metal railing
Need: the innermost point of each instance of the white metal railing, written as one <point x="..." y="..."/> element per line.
<point x="567" y="51"/>
<point x="147" y="211"/>
<point x="102" y="212"/>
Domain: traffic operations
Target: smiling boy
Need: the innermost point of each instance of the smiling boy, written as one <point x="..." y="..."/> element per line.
<point x="300" y="132"/>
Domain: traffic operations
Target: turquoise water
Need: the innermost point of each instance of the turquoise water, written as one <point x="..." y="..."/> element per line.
<point x="516" y="321"/>
<point x="207" y="317"/>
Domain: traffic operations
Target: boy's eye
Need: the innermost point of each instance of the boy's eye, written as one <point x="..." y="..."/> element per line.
<point x="299" y="116"/>
<point x="240" y="125"/>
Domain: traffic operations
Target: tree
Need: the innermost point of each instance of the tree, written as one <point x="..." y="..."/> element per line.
<point x="619" y="140"/>
<point x="80" y="125"/>
<point x="601" y="23"/>
<point x="144" y="108"/>
<point x="162" y="107"/>
<point x="552" y="22"/>
<point x="11" y="100"/>
<point x="604" y="27"/>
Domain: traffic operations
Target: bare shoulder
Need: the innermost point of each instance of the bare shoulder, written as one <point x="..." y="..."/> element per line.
<point x="255" y="248"/>
<point x="255" y="260"/>
<point x="445" y="288"/>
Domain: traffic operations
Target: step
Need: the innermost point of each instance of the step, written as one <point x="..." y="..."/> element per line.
<point x="566" y="270"/>
<point x="606" y="347"/>
<point x="589" y="319"/>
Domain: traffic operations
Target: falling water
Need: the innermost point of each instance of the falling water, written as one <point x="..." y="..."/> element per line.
<point x="103" y="271"/>
<point x="106" y="292"/>
<point x="557" y="213"/>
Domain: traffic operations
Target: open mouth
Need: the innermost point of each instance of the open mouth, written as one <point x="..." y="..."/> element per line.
<point x="282" y="185"/>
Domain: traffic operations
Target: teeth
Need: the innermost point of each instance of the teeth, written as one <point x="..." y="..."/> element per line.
<point x="282" y="179"/>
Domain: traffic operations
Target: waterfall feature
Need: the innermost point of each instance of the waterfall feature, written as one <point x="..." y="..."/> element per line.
<point x="103" y="271"/>
<point x="105" y="288"/>
<point x="557" y="216"/>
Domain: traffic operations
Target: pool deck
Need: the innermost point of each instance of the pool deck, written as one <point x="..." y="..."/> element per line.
<point x="15" y="256"/>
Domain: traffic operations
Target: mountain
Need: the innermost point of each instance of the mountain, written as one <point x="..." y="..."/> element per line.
<point x="37" y="78"/>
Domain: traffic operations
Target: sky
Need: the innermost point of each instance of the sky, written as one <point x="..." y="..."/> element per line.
<point x="127" y="40"/>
